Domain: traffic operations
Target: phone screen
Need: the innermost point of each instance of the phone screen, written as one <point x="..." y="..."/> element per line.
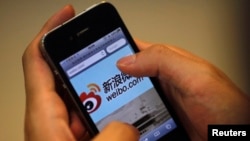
<point x="108" y="94"/>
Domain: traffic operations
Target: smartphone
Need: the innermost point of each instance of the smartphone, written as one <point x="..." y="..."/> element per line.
<point x="83" y="52"/>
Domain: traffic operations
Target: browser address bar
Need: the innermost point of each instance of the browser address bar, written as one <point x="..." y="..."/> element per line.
<point x="86" y="63"/>
<point x="116" y="45"/>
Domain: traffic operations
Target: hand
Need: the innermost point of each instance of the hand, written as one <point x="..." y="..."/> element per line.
<point x="200" y="93"/>
<point x="46" y="117"/>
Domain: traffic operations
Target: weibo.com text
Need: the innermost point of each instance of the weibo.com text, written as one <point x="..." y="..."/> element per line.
<point x="116" y="85"/>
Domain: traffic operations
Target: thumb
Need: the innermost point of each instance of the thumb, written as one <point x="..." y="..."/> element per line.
<point x="166" y="62"/>
<point x="117" y="131"/>
<point x="176" y="66"/>
<point x="155" y="61"/>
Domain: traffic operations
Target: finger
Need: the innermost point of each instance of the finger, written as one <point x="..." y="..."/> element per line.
<point x="36" y="71"/>
<point x="142" y="45"/>
<point x="58" y="18"/>
<point x="42" y="102"/>
<point x="117" y="131"/>
<point x="77" y="127"/>
<point x="39" y="82"/>
<point x="162" y="62"/>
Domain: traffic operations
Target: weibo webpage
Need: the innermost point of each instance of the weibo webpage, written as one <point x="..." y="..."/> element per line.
<point x="109" y="94"/>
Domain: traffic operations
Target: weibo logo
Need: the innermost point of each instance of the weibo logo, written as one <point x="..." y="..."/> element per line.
<point x="91" y="101"/>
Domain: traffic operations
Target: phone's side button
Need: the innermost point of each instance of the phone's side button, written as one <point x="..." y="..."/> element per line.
<point x="56" y="73"/>
<point x="64" y="86"/>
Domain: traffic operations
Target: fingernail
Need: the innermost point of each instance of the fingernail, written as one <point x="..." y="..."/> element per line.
<point x="125" y="61"/>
